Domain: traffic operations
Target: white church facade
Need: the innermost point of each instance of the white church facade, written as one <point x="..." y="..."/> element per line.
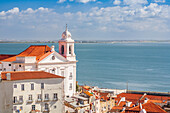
<point x="45" y="58"/>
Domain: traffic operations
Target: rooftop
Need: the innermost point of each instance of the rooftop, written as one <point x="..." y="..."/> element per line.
<point x="149" y="107"/>
<point x="135" y="97"/>
<point x="23" y="75"/>
<point x="34" y="50"/>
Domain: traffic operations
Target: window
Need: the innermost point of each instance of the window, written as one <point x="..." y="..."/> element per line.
<point x="19" y="65"/>
<point x="55" y="96"/>
<point x="15" y="86"/>
<point x="108" y="107"/>
<point x="21" y="107"/>
<point x="53" y="57"/>
<point x="46" y="106"/>
<point x="15" y="99"/>
<point x="22" y="87"/>
<point x="32" y="86"/>
<point x="15" y="108"/>
<point x="29" y="97"/>
<point x="46" y="97"/>
<point x="9" y="64"/>
<point x="70" y="87"/>
<point x="39" y="97"/>
<point x="69" y="49"/>
<point x="4" y="69"/>
<point x="53" y="71"/>
<point x="33" y="107"/>
<point x="42" y="85"/>
<point x="55" y="107"/>
<point x="71" y="75"/>
<point x="62" y="73"/>
<point x="14" y="70"/>
<point x="62" y="49"/>
<point x="20" y="98"/>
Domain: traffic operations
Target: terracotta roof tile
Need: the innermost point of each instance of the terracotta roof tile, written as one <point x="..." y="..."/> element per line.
<point x="104" y="96"/>
<point x="22" y="75"/>
<point x="44" y="56"/>
<point x="5" y="56"/>
<point x="116" y="108"/>
<point x="149" y="107"/>
<point x="87" y="93"/>
<point x="135" y="97"/>
<point x="33" y="50"/>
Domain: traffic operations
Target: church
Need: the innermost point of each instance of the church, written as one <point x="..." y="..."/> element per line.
<point x="45" y="58"/>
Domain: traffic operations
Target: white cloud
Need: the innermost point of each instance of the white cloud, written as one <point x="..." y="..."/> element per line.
<point x="61" y="1"/>
<point x="81" y="1"/>
<point x="134" y="2"/>
<point x="44" y="22"/>
<point x="85" y="1"/>
<point x="14" y="10"/>
<point x="117" y="2"/>
<point x="161" y="1"/>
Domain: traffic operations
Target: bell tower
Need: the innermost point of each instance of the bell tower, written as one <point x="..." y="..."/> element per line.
<point x="66" y="46"/>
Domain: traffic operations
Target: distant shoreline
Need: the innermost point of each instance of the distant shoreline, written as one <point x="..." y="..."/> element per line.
<point x="95" y="41"/>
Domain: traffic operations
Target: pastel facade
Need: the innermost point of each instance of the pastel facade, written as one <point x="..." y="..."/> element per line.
<point x="44" y="58"/>
<point x="30" y="92"/>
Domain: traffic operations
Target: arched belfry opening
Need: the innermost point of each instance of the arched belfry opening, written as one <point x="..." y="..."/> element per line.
<point x="62" y="49"/>
<point x="69" y="49"/>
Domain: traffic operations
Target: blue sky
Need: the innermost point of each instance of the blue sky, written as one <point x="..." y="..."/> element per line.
<point x="86" y="19"/>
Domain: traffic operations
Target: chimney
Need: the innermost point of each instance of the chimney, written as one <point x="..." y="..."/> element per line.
<point x="8" y="76"/>
<point x="52" y="48"/>
<point x="146" y="100"/>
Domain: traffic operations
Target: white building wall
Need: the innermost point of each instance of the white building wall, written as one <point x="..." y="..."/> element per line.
<point x="6" y="96"/>
<point x="51" y="86"/>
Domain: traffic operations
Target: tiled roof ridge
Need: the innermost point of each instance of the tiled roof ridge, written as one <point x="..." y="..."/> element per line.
<point x="44" y="56"/>
<point x="7" y="54"/>
<point x="133" y="109"/>
<point x="30" y="50"/>
<point x="23" y="75"/>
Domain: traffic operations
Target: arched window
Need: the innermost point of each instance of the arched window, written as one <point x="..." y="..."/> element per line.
<point x="62" y="49"/>
<point x="71" y="75"/>
<point x="53" y="71"/>
<point x="69" y="49"/>
<point x="71" y="85"/>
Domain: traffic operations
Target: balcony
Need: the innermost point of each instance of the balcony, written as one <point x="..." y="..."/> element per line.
<point x="55" y="99"/>
<point x="39" y="100"/>
<point x="29" y="101"/>
<point x="20" y="101"/>
<point x="46" y="110"/>
<point x="46" y="99"/>
<point x="15" y="102"/>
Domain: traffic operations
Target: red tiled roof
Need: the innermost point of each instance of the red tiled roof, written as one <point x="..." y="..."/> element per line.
<point x="135" y="97"/>
<point x="44" y="56"/>
<point x="116" y="108"/>
<point x="22" y="75"/>
<point x="122" y="103"/>
<point x="104" y="96"/>
<point x="87" y="93"/>
<point x="149" y="107"/>
<point x="33" y="50"/>
<point x="5" y="56"/>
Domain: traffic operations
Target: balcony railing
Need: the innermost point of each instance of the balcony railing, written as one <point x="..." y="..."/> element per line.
<point x="15" y="102"/>
<point x="46" y="110"/>
<point x="55" y="99"/>
<point x="46" y="99"/>
<point x="20" y="101"/>
<point x="29" y="101"/>
<point x="39" y="100"/>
